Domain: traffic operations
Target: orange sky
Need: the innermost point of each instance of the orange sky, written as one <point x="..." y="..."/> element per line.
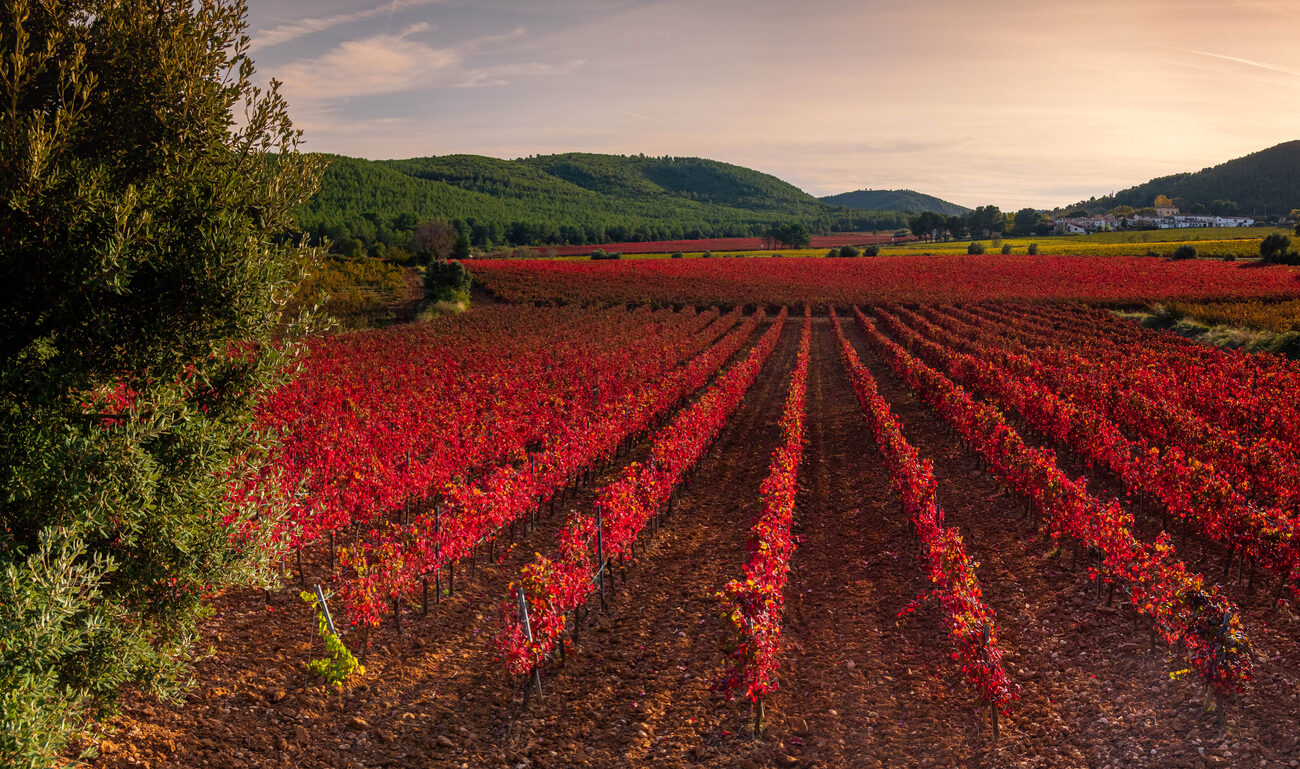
<point x="1014" y="103"/>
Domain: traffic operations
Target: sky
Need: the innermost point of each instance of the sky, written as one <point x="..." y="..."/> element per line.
<point x="1010" y="102"/>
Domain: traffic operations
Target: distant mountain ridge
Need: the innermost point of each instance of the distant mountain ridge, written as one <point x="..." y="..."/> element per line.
<point x="569" y="198"/>
<point x="1264" y="182"/>
<point x="908" y="201"/>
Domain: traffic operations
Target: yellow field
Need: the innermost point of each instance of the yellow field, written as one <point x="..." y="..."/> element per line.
<point x="1278" y="317"/>
<point x="1220" y="242"/>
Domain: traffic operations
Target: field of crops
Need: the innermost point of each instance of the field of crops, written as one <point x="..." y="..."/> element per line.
<point x="699" y="246"/>
<point x="843" y="282"/>
<point x="1210" y="242"/>
<point x="909" y="512"/>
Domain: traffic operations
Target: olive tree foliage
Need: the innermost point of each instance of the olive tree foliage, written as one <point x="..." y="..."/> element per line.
<point x="146" y="191"/>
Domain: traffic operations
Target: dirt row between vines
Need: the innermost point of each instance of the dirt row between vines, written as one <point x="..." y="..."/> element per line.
<point x="1093" y="694"/>
<point x="860" y="686"/>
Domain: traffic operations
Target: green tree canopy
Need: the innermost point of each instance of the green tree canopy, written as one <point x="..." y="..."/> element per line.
<point x="144" y="272"/>
<point x="1027" y="221"/>
<point x="791" y="235"/>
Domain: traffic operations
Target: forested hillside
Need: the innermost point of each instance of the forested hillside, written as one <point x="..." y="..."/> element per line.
<point x="1264" y="182"/>
<point x="909" y="201"/>
<point x="367" y="205"/>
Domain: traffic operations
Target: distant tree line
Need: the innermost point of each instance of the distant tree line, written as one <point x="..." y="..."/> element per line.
<point x="983" y="222"/>
<point x="404" y="237"/>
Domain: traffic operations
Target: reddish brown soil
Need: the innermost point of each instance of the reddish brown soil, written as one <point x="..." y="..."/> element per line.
<point x="860" y="687"/>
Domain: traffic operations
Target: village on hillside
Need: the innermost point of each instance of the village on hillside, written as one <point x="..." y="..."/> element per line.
<point x="1163" y="214"/>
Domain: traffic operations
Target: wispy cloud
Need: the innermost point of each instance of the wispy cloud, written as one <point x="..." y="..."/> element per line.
<point x="639" y="116"/>
<point x="502" y="74"/>
<point x="294" y="30"/>
<point x="378" y="64"/>
<point x="1247" y="62"/>
<point x="395" y="62"/>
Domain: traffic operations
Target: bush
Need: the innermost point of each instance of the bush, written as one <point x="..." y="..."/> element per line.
<point x="601" y="254"/>
<point x="849" y="252"/>
<point x="676" y="255"/>
<point x="447" y="282"/>
<point x="706" y="255"/>
<point x="1229" y="257"/>
<point x="1166" y="314"/>
<point x="1274" y="247"/>
<point x="833" y="253"/>
<point x="1185" y="251"/>
<point x="1033" y="249"/>
<point x="153" y="228"/>
<point x="975" y="248"/>
<point x="871" y="250"/>
<point x="1006" y="248"/>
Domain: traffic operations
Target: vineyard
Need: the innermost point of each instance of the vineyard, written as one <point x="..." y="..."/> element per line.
<point x="915" y="512"/>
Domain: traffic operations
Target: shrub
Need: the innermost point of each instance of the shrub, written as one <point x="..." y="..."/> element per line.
<point x="849" y="252"/>
<point x="1166" y="314"/>
<point x="1033" y="249"/>
<point x="871" y="250"/>
<point x="706" y="255"/>
<point x="1185" y="251"/>
<point x="975" y="248"/>
<point x="447" y="281"/>
<point x="834" y="252"/>
<point x="153" y="228"/>
<point x="676" y="255"/>
<point x="1274" y="247"/>
<point x="1229" y="257"/>
<point x="601" y="254"/>
<point x="1006" y="248"/>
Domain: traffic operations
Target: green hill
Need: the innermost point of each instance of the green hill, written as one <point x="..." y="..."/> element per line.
<point x="1264" y="182"/>
<point x="894" y="200"/>
<point x="571" y="198"/>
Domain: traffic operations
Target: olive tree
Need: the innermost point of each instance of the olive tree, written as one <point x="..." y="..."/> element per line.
<point x="145" y="258"/>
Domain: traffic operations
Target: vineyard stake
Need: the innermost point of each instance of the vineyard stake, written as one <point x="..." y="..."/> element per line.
<point x="325" y="609"/>
<point x="600" y="557"/>
<point x="302" y="575"/>
<point x="424" y="607"/>
<point x="528" y="631"/>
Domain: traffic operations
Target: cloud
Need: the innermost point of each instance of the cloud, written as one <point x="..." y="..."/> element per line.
<point x="502" y="74"/>
<point x="286" y="33"/>
<point x="393" y="63"/>
<point x="1247" y="62"/>
<point x="379" y="64"/>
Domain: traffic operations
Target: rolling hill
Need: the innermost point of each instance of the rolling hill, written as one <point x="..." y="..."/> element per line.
<point x="907" y="201"/>
<point x="573" y="198"/>
<point x="1264" y="182"/>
